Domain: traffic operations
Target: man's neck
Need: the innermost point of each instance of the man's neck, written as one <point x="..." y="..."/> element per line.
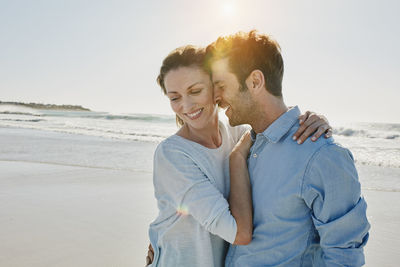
<point x="269" y="111"/>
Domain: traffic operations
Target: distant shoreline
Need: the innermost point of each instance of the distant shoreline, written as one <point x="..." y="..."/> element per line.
<point x="47" y="106"/>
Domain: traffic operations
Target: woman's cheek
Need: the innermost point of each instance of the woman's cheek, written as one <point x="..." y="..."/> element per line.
<point x="175" y="107"/>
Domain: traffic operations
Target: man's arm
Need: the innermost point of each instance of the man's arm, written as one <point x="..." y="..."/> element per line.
<point x="332" y="191"/>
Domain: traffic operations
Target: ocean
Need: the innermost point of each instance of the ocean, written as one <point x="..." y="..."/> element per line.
<point x="95" y="169"/>
<point x="375" y="146"/>
<point x="138" y="127"/>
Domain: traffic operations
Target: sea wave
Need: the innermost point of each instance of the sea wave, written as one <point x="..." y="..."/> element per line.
<point x="142" y="137"/>
<point x="373" y="130"/>
<point x="375" y="144"/>
<point x="135" y="117"/>
<point x="119" y="132"/>
<point x="379" y="163"/>
<point x="93" y="115"/>
<point x="26" y="120"/>
<point x="19" y="113"/>
<point x="381" y="189"/>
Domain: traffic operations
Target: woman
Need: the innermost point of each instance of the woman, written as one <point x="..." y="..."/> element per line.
<point x="195" y="169"/>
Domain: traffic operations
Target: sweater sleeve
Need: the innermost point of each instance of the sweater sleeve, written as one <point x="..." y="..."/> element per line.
<point x="181" y="184"/>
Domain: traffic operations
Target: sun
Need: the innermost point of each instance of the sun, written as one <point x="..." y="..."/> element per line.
<point x="228" y="8"/>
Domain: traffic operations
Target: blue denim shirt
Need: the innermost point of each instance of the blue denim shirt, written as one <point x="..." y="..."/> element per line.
<point x="308" y="210"/>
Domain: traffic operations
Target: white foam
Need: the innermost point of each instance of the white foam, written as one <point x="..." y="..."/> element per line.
<point x="374" y="144"/>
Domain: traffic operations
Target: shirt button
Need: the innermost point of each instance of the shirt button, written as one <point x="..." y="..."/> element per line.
<point x="254" y="155"/>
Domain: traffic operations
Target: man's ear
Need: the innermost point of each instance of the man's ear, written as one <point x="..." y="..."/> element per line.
<point x="256" y="82"/>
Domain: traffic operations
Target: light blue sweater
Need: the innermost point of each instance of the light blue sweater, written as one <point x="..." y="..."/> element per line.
<point x="191" y="184"/>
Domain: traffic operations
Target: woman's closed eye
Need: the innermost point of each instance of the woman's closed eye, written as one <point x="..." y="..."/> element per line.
<point x="196" y="91"/>
<point x="175" y="98"/>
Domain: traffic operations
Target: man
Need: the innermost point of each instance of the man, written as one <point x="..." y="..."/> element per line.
<point x="307" y="205"/>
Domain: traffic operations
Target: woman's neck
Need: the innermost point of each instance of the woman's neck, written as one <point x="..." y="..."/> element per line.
<point x="209" y="136"/>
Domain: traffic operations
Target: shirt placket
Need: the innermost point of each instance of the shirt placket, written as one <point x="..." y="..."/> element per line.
<point x="256" y="148"/>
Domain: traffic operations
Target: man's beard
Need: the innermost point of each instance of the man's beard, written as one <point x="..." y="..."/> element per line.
<point x="243" y="111"/>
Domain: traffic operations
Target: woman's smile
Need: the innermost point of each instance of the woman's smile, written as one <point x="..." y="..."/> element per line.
<point x="196" y="114"/>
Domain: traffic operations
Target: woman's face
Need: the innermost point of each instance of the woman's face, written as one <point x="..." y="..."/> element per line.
<point x="191" y="96"/>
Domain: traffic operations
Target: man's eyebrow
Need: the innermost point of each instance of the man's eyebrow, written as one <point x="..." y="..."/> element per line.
<point x="217" y="82"/>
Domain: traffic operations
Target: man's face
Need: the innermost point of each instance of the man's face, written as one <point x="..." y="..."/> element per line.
<point x="237" y="103"/>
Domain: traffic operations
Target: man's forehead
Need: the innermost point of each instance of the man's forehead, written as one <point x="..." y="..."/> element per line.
<point x="220" y="65"/>
<point x="221" y="71"/>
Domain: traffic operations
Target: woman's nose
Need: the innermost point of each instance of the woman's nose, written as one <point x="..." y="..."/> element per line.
<point x="217" y="96"/>
<point x="188" y="105"/>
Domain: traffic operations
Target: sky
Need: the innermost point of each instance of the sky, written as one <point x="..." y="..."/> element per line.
<point x="341" y="57"/>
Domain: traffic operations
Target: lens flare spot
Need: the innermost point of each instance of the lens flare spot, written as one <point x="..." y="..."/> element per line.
<point x="182" y="210"/>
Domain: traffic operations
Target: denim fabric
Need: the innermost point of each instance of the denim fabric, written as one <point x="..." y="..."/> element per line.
<point x="308" y="208"/>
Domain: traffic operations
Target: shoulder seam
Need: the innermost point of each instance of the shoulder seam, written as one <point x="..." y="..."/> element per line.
<point x="309" y="163"/>
<point x="173" y="146"/>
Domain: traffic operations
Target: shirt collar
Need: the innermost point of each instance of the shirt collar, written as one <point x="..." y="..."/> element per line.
<point x="280" y="126"/>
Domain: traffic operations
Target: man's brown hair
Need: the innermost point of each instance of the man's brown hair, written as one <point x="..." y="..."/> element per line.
<point x="247" y="52"/>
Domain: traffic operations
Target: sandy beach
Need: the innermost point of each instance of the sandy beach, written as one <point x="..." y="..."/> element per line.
<point x="63" y="203"/>
<point x="54" y="215"/>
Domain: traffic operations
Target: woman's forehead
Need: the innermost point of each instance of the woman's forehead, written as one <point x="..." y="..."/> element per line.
<point x="185" y="78"/>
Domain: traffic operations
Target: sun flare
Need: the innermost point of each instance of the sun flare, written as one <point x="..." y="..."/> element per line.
<point x="228" y="8"/>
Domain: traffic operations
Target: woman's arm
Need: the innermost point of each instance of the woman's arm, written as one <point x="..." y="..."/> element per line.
<point x="182" y="186"/>
<point x="312" y="123"/>
<point x="240" y="200"/>
<point x="179" y="182"/>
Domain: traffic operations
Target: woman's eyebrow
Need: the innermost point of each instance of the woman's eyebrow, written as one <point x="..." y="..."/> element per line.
<point x="196" y="83"/>
<point x="190" y="87"/>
